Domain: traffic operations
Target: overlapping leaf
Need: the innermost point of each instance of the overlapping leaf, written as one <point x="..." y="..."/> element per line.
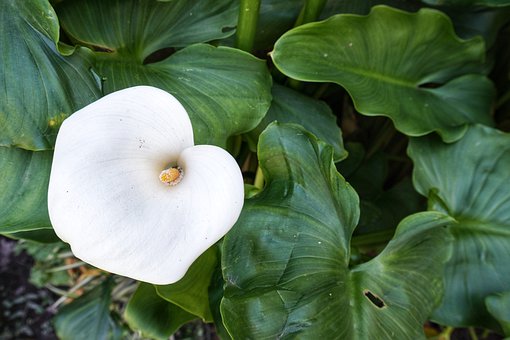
<point x="191" y="293"/>
<point x="290" y="106"/>
<point x="467" y="3"/>
<point x="469" y="181"/>
<point x="286" y="261"/>
<point x="410" y="67"/>
<point x="24" y="183"/>
<point x="87" y="317"/>
<point x="225" y="91"/>
<point x="40" y="87"/>
<point x="499" y="306"/>
<point x="140" y="28"/>
<point x="152" y="315"/>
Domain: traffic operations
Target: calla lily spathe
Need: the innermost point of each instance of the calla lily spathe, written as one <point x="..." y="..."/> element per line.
<point x="106" y="198"/>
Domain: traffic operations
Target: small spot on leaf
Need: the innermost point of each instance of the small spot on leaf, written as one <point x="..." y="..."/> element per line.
<point x="377" y="301"/>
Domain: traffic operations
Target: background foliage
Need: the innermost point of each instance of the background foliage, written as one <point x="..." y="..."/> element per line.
<point x="372" y="136"/>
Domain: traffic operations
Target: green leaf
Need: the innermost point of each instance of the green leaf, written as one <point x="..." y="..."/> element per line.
<point x="153" y="316"/>
<point x="469" y="181"/>
<point x="225" y="91"/>
<point x="140" y="28"/>
<point x="24" y="183"/>
<point x="410" y="67"/>
<point x="275" y="18"/>
<point x="215" y="297"/>
<point x="38" y="235"/>
<point x="381" y="208"/>
<point x="286" y="261"/>
<point x="191" y="293"/>
<point x="87" y="317"/>
<point x="363" y="7"/>
<point x="289" y="106"/>
<point x="499" y="306"/>
<point x="40" y="86"/>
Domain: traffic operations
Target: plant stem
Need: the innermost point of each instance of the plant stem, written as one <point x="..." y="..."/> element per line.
<point x="372" y="238"/>
<point x="446" y="333"/>
<point x="259" y="179"/>
<point x="247" y="24"/>
<point x="63" y="298"/>
<point x="310" y="11"/>
<point x="503" y="99"/>
<point x="472" y="333"/>
<point x="66" y="267"/>
<point x="386" y="133"/>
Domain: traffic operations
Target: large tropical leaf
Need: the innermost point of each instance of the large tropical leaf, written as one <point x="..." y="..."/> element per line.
<point x="469" y="181"/>
<point x="24" y="183"/>
<point x="286" y="261"/>
<point x="410" y="67"/>
<point x="225" y="91"/>
<point x="40" y="87"/>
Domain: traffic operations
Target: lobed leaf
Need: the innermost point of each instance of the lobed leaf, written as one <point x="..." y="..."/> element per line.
<point x="286" y="261"/>
<point x="410" y="67"/>
<point x="469" y="181"/>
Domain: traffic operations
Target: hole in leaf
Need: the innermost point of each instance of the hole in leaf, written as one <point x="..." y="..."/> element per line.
<point x="377" y="301"/>
<point x="159" y="55"/>
<point x="430" y="85"/>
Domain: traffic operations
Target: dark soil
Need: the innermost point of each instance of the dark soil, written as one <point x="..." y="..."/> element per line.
<point x="23" y="308"/>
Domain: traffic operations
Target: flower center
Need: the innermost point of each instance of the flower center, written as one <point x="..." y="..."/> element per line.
<point x="171" y="176"/>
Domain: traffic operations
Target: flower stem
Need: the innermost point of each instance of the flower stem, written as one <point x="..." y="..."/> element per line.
<point x="503" y="99"/>
<point x="377" y="237"/>
<point x="247" y="24"/>
<point x="310" y="11"/>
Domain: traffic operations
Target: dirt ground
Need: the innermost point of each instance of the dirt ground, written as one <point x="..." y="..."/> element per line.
<point x="23" y="308"/>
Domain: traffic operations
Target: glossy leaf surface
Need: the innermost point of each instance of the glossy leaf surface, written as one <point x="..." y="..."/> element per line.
<point x="286" y="261"/>
<point x="410" y="67"/>
<point x="469" y="181"/>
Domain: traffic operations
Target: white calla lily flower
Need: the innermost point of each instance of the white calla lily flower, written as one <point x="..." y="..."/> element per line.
<point x="132" y="194"/>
